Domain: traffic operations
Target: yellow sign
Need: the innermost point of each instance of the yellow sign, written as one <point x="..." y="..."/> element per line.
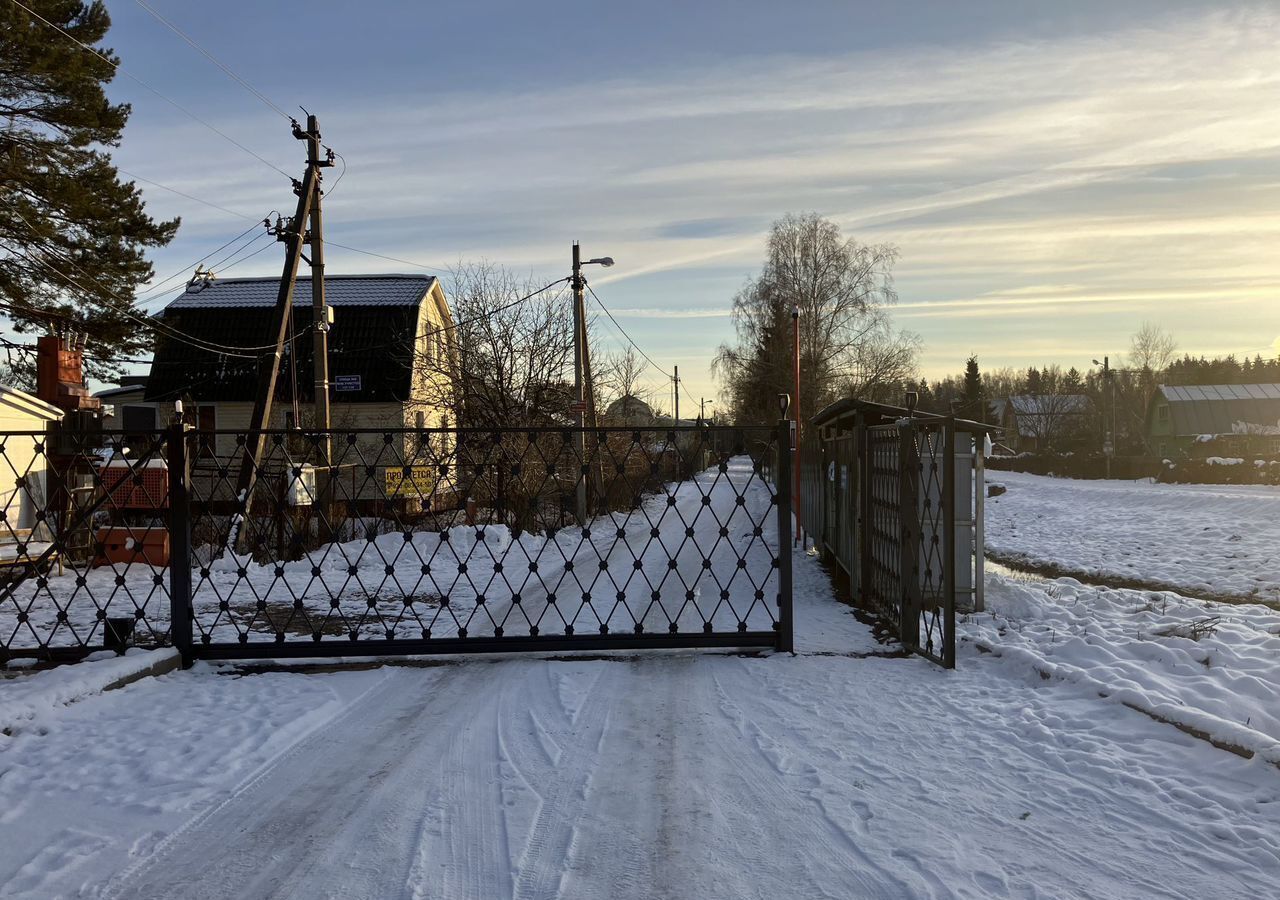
<point x="419" y="482"/>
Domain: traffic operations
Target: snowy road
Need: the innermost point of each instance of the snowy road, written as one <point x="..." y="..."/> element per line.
<point x="677" y="775"/>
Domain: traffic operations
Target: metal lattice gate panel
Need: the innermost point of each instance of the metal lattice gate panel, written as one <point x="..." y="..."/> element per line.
<point x="910" y="533"/>
<point x="448" y="541"/>
<point x="378" y="542"/>
<point x="84" y="543"/>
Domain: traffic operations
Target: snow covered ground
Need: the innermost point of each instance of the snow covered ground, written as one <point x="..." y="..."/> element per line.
<point x="1209" y="540"/>
<point x="832" y="773"/>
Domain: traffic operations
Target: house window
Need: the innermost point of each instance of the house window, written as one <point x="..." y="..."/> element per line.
<point x="1162" y="414"/>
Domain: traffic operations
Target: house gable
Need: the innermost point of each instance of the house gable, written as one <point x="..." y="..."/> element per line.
<point x="372" y="341"/>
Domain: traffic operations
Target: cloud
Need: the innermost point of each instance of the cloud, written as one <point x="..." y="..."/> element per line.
<point x="1137" y="165"/>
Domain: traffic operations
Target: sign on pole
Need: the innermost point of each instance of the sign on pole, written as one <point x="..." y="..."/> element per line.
<point x="346" y="383"/>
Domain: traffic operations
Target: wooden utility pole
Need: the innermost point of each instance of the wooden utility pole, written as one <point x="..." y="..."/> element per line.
<point x="319" y="313"/>
<point x="293" y="236"/>
<point x="584" y="394"/>
<point x="675" y="389"/>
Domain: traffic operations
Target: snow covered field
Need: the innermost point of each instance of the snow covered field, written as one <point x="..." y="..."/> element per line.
<point x="831" y="773"/>
<point x="1209" y="540"/>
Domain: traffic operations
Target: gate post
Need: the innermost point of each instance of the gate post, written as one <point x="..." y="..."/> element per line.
<point x="949" y="550"/>
<point x="909" y="551"/>
<point x="862" y="517"/>
<point x="782" y="491"/>
<point x="180" y="614"/>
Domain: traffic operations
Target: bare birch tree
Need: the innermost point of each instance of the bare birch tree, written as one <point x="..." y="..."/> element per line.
<point x="842" y="291"/>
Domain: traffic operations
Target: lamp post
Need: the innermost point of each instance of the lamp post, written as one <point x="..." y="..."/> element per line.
<point x="581" y="369"/>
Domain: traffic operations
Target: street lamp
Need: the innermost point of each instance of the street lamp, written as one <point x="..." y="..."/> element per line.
<point x="581" y="366"/>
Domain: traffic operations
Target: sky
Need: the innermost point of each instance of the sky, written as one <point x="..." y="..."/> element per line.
<point x="1053" y="174"/>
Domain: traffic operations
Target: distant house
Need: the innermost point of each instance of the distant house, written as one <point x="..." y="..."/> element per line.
<point x="390" y="345"/>
<point x="1235" y="417"/>
<point x="629" y="410"/>
<point x="1034" y="422"/>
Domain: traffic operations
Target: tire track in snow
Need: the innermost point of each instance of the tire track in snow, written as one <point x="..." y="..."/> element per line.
<point x="564" y="794"/>
<point x="339" y="815"/>
<point x="137" y="869"/>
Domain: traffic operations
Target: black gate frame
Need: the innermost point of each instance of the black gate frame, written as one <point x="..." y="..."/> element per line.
<point x="177" y="445"/>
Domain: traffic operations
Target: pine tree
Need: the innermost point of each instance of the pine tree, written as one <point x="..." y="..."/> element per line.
<point x="72" y="233"/>
<point x="974" y="407"/>
<point x="1033" y="381"/>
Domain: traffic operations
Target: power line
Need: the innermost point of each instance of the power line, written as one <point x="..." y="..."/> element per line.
<point x="173" y="190"/>
<point x="227" y="266"/>
<point x="623" y="332"/>
<point x="338" y="180"/>
<point x="183" y="271"/>
<point x="174" y="103"/>
<point x="158" y="328"/>
<point x="407" y="262"/>
<point x="452" y="326"/>
<point x="637" y="347"/>
<point x="209" y="56"/>
<point x="222" y="264"/>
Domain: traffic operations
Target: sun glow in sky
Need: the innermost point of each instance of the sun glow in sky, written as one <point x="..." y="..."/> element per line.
<point x="1053" y="174"/>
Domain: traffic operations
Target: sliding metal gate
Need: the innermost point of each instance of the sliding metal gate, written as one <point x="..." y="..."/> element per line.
<point x="406" y="541"/>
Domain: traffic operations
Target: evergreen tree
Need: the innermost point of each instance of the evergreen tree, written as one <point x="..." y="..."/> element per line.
<point x="1073" y="382"/>
<point x="973" y="400"/>
<point x="1033" y="381"/>
<point x="72" y="233"/>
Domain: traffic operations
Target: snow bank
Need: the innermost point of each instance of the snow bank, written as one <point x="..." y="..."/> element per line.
<point x="1211" y="667"/>
<point x="24" y="698"/>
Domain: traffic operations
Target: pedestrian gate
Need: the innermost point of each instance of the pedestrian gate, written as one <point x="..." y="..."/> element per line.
<point x="894" y="501"/>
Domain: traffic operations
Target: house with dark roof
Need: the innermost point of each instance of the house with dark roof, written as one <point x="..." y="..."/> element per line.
<point x="1220" y="417"/>
<point x="390" y="352"/>
<point x="1033" y="422"/>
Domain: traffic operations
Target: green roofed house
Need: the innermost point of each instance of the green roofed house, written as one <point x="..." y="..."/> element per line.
<point x="390" y="352"/>
<point x="1239" y="418"/>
